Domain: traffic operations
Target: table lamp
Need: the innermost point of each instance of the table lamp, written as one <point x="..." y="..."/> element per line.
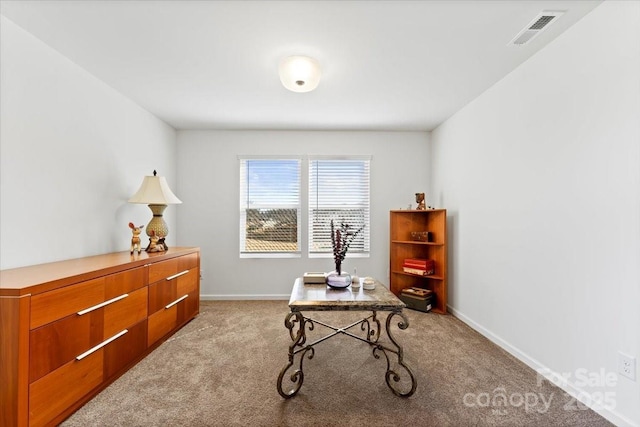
<point x="156" y="193"/>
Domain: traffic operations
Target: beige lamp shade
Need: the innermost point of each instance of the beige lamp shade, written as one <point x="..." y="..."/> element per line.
<point x="155" y="191"/>
<point x="300" y="73"/>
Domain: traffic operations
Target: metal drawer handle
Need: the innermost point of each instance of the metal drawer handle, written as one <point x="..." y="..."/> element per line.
<point x="102" y="304"/>
<point x="102" y="344"/>
<point x="176" y="301"/>
<point x="177" y="275"/>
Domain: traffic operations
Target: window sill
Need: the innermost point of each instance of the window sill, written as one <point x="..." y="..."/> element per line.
<point x="268" y="255"/>
<point x="330" y="255"/>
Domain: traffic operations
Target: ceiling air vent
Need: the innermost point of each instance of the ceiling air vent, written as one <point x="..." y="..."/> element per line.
<point x="535" y="27"/>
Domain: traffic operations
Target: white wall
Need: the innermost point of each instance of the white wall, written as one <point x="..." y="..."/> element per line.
<point x="541" y="176"/>
<point x="208" y="183"/>
<point x="72" y="151"/>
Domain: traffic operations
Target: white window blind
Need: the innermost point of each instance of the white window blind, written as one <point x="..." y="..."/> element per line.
<point x="338" y="190"/>
<point x="269" y="206"/>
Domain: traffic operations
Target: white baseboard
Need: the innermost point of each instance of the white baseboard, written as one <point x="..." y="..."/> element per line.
<point x="566" y="385"/>
<point x="231" y="297"/>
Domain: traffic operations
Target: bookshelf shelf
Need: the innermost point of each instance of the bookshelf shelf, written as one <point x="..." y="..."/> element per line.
<point x="413" y="242"/>
<point x="431" y="277"/>
<point x="403" y="222"/>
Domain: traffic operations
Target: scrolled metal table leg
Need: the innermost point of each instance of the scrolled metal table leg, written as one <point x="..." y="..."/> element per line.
<point x="372" y="332"/>
<point x="393" y="377"/>
<point x="298" y="338"/>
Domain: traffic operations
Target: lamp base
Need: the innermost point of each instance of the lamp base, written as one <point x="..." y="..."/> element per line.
<point x="157" y="226"/>
<point x="157" y="230"/>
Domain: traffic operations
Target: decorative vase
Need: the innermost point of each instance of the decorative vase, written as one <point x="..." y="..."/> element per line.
<point x="337" y="279"/>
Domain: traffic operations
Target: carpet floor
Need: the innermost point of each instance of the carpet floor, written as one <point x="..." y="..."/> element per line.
<point x="221" y="370"/>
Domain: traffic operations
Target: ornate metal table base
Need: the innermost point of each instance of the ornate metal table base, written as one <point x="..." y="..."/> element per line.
<point x="297" y="324"/>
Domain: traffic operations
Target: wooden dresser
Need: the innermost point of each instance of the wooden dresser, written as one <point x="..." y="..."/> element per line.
<point x="70" y="328"/>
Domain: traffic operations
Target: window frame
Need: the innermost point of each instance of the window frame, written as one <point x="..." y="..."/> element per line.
<point x="243" y="208"/>
<point x="366" y="252"/>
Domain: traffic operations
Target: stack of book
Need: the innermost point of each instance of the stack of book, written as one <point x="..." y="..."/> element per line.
<point x="418" y="298"/>
<point x="421" y="267"/>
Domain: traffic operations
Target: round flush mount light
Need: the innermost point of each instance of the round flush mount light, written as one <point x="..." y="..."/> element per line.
<point x="300" y="73"/>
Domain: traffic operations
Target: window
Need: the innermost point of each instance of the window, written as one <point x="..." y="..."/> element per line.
<point x="269" y="207"/>
<point x="338" y="190"/>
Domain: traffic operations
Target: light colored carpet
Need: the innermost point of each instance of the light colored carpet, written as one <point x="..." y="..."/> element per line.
<point x="221" y="370"/>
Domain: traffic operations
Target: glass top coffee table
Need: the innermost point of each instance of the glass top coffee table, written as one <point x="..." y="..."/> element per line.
<point x="323" y="298"/>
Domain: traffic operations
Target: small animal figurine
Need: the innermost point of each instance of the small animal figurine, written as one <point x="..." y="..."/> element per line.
<point x="156" y="244"/>
<point x="420" y="200"/>
<point x="163" y="244"/>
<point x="153" y="242"/>
<point x="135" y="240"/>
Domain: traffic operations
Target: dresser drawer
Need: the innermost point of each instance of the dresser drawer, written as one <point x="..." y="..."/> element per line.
<point x="188" y="283"/>
<point x="59" y="342"/>
<point x="161" y="323"/>
<point x="54" y="305"/>
<point x="127" y="349"/>
<point x="172" y="302"/>
<point x="54" y="393"/>
<point x="125" y="282"/>
<point x="165" y="291"/>
<point x="174" y="314"/>
<point x="164" y="269"/>
<point x="125" y="312"/>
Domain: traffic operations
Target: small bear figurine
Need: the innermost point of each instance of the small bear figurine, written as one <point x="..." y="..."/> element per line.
<point x="421" y="203"/>
<point x="135" y="240"/>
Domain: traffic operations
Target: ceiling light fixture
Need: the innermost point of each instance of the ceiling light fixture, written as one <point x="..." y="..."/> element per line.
<point x="300" y="73"/>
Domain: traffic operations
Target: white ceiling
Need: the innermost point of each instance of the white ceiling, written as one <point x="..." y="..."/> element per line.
<point x="387" y="65"/>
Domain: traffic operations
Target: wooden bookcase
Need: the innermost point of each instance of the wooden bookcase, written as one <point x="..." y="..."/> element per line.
<point x="401" y="246"/>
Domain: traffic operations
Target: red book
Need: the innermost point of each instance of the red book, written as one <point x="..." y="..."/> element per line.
<point x="424" y="264"/>
<point x="416" y="262"/>
<point x="412" y="265"/>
